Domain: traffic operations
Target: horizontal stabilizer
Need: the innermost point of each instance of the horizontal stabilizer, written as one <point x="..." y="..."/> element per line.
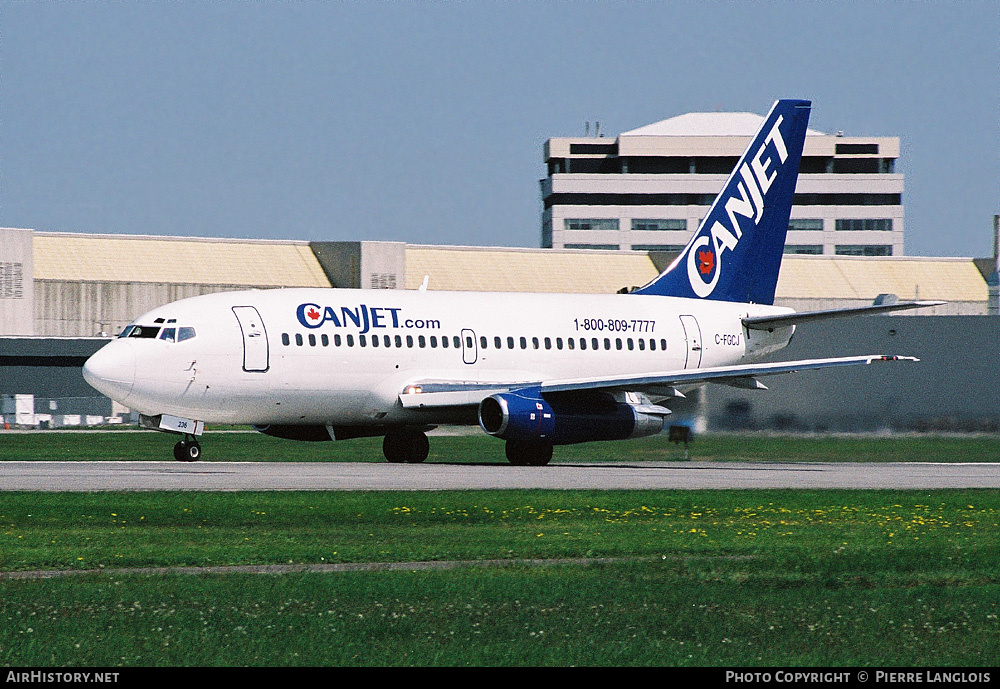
<point x="772" y="322"/>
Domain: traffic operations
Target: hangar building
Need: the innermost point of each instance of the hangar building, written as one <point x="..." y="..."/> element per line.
<point x="63" y="295"/>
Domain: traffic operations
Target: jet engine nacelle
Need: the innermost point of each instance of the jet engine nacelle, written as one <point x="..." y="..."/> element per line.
<point x="526" y="415"/>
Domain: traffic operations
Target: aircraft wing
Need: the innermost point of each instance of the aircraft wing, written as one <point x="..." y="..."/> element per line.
<point x="439" y="393"/>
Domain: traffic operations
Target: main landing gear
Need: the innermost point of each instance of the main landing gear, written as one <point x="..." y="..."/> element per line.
<point x="407" y="446"/>
<point x="187" y="450"/>
<point x="524" y="453"/>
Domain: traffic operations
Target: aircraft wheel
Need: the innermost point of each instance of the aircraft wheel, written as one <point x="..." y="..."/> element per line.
<point x="411" y="447"/>
<point x="523" y="453"/>
<point x="418" y="447"/>
<point x="187" y="451"/>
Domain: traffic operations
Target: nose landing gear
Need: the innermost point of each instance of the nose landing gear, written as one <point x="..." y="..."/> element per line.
<point x="187" y="450"/>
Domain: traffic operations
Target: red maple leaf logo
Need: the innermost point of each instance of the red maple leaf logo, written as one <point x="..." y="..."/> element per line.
<point x="706" y="261"/>
<point x="312" y="314"/>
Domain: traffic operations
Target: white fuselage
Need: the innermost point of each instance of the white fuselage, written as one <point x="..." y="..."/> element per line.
<point x="307" y="356"/>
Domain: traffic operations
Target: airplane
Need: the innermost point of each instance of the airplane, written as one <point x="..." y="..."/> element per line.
<point x="534" y="370"/>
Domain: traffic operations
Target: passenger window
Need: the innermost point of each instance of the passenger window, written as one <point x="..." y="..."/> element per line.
<point x="422" y="341"/>
<point x="399" y="341"/>
<point x="583" y="343"/>
<point x="510" y="343"/>
<point x="444" y="341"/>
<point x="663" y="345"/>
<point x="350" y="340"/>
<point x="312" y="340"/>
<point x="524" y="343"/>
<point x="336" y="340"/>
<point x="652" y="345"/>
<point x="534" y="343"/>
<point x="362" y="340"/>
<point x="409" y="341"/>
<point x="284" y="339"/>
<point x="456" y="340"/>
<point x="496" y="343"/>
<point x="631" y="346"/>
<point x="298" y="339"/>
<point x="185" y="334"/>
<point x="548" y="343"/>
<point x="642" y="344"/>
<point x="374" y="340"/>
<point x="168" y="334"/>
<point x="468" y="342"/>
<point x="482" y="341"/>
<point x="434" y="342"/>
<point x="607" y="343"/>
<point x="325" y="339"/>
<point x="570" y="341"/>
<point x="386" y="340"/>
<point x="618" y="343"/>
<point x="594" y="344"/>
<point x="558" y="343"/>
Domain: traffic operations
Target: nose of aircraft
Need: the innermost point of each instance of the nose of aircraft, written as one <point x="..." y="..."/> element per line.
<point x="111" y="370"/>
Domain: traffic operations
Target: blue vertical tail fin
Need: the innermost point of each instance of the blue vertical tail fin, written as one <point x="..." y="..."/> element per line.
<point x="736" y="253"/>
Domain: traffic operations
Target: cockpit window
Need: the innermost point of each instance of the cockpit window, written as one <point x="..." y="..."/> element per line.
<point x="126" y="330"/>
<point x="185" y="334"/>
<point x="168" y="334"/>
<point x="146" y="331"/>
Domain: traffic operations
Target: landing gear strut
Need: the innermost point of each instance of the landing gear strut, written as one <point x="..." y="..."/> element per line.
<point x="187" y="450"/>
<point x="523" y="453"/>
<point x="406" y="446"/>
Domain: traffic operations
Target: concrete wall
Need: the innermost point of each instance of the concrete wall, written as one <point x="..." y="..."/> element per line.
<point x="952" y="388"/>
<point x="16" y="282"/>
<point x="85" y="309"/>
<point x="363" y="265"/>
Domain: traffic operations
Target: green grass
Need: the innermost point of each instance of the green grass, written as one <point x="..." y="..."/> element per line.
<point x="251" y="446"/>
<point x="728" y="578"/>
<point x="725" y="578"/>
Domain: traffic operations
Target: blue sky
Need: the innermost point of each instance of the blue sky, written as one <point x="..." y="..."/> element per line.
<point x="424" y="122"/>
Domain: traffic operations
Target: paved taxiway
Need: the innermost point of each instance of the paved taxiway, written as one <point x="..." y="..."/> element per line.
<point x="231" y="476"/>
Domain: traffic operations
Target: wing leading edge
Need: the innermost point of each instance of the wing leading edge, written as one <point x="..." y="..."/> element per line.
<point x="433" y="394"/>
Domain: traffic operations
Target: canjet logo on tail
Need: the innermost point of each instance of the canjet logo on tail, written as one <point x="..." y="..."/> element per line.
<point x="754" y="178"/>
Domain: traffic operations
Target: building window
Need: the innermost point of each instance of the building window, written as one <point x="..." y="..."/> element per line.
<point x="857" y="149"/>
<point x="673" y="248"/>
<point x="803" y="248"/>
<point x="606" y="224"/>
<point x="808" y="224"/>
<point x="864" y="225"/>
<point x="594" y="149"/>
<point x="606" y="247"/>
<point x="864" y="250"/>
<point x="645" y="225"/>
